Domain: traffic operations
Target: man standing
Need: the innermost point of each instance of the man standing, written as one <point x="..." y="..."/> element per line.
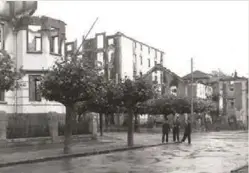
<point x="176" y="129"/>
<point x="187" y="131"/>
<point x="165" y="130"/>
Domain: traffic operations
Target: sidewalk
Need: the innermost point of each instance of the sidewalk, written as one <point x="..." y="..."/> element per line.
<point x="110" y="142"/>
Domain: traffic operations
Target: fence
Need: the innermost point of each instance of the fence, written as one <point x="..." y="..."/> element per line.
<point x="38" y="125"/>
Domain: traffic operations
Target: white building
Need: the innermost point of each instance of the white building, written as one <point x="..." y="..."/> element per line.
<point x="34" y="44"/>
<point x="122" y="56"/>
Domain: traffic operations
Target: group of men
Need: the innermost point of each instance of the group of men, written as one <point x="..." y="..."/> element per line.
<point x="176" y="129"/>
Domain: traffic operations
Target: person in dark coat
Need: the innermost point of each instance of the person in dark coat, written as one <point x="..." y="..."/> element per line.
<point x="165" y="130"/>
<point x="176" y="129"/>
<point x="187" y="131"/>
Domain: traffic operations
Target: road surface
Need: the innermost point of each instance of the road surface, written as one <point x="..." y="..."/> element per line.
<point x="214" y="152"/>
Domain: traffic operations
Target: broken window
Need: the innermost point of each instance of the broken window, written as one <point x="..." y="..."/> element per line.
<point x="34" y="39"/>
<point x="100" y="41"/>
<point x="34" y="82"/>
<point x="1" y="36"/>
<point x="110" y="41"/>
<point x="2" y="95"/>
<point x="100" y="61"/>
<point x="148" y="62"/>
<point x="55" y="44"/>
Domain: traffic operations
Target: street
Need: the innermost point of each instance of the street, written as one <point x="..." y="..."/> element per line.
<point x="214" y="152"/>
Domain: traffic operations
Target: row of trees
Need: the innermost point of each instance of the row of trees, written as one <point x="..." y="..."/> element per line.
<point x="79" y="86"/>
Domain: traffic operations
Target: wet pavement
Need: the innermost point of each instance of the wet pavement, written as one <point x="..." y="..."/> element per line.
<point x="214" y="152"/>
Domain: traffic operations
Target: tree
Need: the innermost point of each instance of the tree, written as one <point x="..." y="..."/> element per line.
<point x="69" y="82"/>
<point x="105" y="101"/>
<point x="131" y="94"/>
<point x="9" y="75"/>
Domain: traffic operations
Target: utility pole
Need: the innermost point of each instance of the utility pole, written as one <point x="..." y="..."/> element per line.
<point x="192" y="95"/>
<point x="85" y="37"/>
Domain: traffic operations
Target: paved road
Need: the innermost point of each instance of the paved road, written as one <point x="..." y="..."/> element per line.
<point x="215" y="152"/>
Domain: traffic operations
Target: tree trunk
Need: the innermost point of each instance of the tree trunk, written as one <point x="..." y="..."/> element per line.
<point x="68" y="129"/>
<point x="130" y="140"/>
<point x="101" y="124"/>
<point x="106" y="121"/>
<point x="137" y="123"/>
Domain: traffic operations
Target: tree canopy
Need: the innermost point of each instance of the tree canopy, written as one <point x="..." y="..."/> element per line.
<point x="70" y="81"/>
<point x="8" y="73"/>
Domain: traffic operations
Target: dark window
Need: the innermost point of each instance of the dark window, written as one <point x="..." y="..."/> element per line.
<point x="148" y="62"/>
<point x="141" y="47"/>
<point x="149" y="50"/>
<point x="155" y="62"/>
<point x="141" y="74"/>
<point x="2" y="96"/>
<point x="135" y="44"/>
<point x="161" y="77"/>
<point x="156" y="78"/>
<point x="1" y="37"/>
<point x="232" y="104"/>
<point x="141" y="60"/>
<point x="34" y="39"/>
<point x="34" y="82"/>
<point x="55" y="42"/>
<point x="231" y="88"/>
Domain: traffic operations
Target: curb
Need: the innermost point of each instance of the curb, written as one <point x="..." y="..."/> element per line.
<point x="240" y="169"/>
<point x="84" y="154"/>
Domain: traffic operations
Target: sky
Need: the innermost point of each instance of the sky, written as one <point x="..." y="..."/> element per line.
<point x="213" y="33"/>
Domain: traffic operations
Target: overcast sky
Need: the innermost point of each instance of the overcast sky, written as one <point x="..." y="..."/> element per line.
<point x="214" y="33"/>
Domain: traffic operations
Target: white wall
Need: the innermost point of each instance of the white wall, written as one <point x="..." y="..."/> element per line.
<point x="128" y="50"/>
<point x="127" y="58"/>
<point x="16" y="46"/>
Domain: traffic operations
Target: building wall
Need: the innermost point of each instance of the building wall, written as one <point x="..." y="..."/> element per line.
<point x="234" y="98"/>
<point x="126" y="58"/>
<point x="17" y="101"/>
<point x="199" y="90"/>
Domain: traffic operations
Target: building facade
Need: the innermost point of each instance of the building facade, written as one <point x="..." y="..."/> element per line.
<point x="34" y="43"/>
<point x="201" y="85"/>
<point x="168" y="83"/>
<point x="120" y="56"/>
<point x="233" y="100"/>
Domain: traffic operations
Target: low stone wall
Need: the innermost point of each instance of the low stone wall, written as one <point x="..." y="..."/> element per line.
<point x="40" y="129"/>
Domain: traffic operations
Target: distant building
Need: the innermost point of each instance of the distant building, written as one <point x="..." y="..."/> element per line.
<point x="201" y="87"/>
<point x="233" y="101"/>
<point x="168" y="83"/>
<point x="120" y="56"/>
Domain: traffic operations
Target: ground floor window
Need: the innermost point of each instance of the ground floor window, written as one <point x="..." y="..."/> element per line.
<point x="34" y="82"/>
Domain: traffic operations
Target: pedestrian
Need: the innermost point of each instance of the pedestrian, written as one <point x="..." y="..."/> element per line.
<point x="176" y="129"/>
<point x="165" y="130"/>
<point x="187" y="131"/>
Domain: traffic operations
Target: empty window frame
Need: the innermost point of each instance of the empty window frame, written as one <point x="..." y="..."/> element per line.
<point x="100" y="41"/>
<point x="34" y="39"/>
<point x="110" y="41"/>
<point x="55" y="42"/>
<point x="34" y="82"/>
